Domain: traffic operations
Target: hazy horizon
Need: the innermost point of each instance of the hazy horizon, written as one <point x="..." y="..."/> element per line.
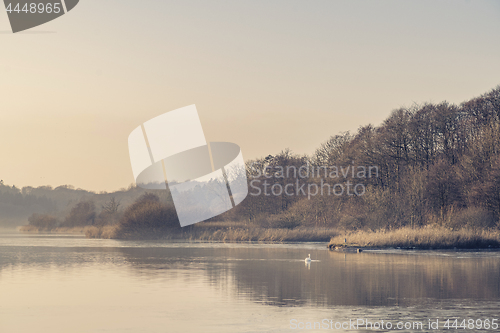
<point x="267" y="76"/>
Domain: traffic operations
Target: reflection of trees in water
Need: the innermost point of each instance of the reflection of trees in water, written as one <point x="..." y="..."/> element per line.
<point x="278" y="276"/>
<point x="379" y="279"/>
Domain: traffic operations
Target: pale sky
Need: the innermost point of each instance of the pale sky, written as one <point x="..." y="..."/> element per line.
<point x="266" y="75"/>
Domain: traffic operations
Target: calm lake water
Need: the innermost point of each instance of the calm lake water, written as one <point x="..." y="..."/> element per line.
<point x="69" y="284"/>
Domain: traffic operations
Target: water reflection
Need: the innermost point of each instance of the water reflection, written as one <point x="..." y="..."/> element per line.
<point x="279" y="276"/>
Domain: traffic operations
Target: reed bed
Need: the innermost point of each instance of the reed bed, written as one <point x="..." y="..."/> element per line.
<point x="263" y="235"/>
<point x="429" y="237"/>
<point x="222" y="234"/>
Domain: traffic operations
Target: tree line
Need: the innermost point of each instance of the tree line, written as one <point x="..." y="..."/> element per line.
<point x="435" y="164"/>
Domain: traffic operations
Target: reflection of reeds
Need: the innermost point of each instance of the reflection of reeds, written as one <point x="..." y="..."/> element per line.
<point x="427" y="237"/>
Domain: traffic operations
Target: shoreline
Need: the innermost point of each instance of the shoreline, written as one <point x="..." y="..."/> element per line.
<point x="425" y="238"/>
<point x="209" y="232"/>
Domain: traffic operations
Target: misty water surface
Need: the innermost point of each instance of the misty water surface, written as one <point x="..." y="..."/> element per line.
<point x="71" y="284"/>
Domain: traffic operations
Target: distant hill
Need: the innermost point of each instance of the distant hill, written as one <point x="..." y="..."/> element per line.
<point x="18" y="204"/>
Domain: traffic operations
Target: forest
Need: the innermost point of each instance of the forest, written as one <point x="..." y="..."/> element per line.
<point x="430" y="165"/>
<point x="436" y="164"/>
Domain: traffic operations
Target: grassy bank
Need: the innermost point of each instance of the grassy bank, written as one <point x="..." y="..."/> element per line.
<point x="218" y="231"/>
<point x="430" y="237"/>
<point x="59" y="230"/>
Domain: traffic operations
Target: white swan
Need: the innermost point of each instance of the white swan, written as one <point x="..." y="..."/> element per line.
<point x="308" y="259"/>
